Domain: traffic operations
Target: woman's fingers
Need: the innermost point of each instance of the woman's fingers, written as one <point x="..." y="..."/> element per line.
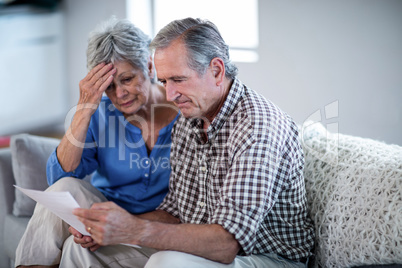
<point x="94" y="248"/>
<point x="106" y="80"/>
<point x="95" y="70"/>
<point x="96" y="82"/>
<point x="85" y="242"/>
<point x="100" y="73"/>
<point x="74" y="232"/>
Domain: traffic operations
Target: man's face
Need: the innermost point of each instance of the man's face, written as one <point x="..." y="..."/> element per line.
<point x="196" y="96"/>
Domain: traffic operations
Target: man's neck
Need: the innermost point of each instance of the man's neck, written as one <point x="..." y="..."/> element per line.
<point x="209" y="118"/>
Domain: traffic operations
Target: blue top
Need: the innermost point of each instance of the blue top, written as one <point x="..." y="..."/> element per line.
<point x="116" y="151"/>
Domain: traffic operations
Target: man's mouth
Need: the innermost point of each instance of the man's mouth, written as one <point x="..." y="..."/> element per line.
<point x="181" y="103"/>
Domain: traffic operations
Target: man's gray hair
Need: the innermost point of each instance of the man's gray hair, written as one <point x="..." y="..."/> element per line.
<point x="118" y="40"/>
<point x="202" y="40"/>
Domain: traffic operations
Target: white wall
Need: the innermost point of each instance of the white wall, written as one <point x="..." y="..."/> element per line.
<point x="346" y="55"/>
<point x="31" y="70"/>
<point x="315" y="52"/>
<point x="81" y="18"/>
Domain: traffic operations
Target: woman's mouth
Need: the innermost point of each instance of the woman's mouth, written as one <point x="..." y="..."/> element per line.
<point x="126" y="104"/>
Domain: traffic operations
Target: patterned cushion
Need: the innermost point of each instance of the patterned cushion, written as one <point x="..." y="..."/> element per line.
<point x="354" y="191"/>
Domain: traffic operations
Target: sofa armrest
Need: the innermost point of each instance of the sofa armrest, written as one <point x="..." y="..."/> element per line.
<point x="7" y="196"/>
<point x="7" y="193"/>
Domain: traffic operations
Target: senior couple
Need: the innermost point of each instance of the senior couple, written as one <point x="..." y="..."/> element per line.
<point x="233" y="194"/>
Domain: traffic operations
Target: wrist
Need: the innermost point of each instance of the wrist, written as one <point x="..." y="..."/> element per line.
<point x="144" y="233"/>
<point x="86" y="109"/>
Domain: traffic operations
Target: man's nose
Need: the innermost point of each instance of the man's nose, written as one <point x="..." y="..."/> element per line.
<point x="171" y="92"/>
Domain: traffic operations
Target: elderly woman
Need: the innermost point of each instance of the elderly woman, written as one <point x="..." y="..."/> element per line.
<point x="124" y="139"/>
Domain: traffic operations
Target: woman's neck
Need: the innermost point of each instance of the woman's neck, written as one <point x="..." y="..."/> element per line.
<point x="161" y="114"/>
<point x="154" y="97"/>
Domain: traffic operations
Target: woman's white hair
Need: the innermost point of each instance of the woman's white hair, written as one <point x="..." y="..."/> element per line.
<point x="118" y="40"/>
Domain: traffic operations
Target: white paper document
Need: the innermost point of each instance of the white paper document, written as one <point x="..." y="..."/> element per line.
<point x="60" y="203"/>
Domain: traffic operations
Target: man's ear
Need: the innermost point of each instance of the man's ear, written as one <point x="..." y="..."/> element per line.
<point x="151" y="69"/>
<point x="218" y="69"/>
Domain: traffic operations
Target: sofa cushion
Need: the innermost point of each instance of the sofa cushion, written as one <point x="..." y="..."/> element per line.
<point x="29" y="156"/>
<point x="354" y="192"/>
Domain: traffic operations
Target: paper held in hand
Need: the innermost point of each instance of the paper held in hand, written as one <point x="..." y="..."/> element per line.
<point x="60" y="203"/>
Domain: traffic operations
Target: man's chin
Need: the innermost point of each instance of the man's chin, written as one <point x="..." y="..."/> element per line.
<point x="188" y="113"/>
<point x="187" y="116"/>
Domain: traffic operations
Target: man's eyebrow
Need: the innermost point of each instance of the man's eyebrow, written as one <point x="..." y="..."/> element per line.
<point x="175" y="77"/>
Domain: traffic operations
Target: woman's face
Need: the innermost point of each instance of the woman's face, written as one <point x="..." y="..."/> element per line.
<point x="129" y="91"/>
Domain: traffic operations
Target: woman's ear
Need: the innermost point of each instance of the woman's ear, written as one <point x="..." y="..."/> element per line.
<point x="151" y="69"/>
<point x="218" y="69"/>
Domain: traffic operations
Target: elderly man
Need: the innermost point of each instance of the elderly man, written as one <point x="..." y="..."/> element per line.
<point x="236" y="195"/>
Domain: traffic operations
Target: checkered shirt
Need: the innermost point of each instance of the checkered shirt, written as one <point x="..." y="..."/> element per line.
<point x="248" y="176"/>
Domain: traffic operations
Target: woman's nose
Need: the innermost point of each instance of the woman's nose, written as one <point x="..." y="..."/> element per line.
<point x="120" y="91"/>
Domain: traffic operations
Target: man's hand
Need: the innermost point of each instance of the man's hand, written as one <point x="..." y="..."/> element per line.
<point x="109" y="224"/>
<point x="83" y="240"/>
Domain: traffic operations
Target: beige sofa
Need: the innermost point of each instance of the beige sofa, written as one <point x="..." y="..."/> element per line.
<point x="354" y="190"/>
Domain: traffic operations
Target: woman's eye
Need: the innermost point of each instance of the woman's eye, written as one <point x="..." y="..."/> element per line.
<point x="110" y="87"/>
<point x="127" y="80"/>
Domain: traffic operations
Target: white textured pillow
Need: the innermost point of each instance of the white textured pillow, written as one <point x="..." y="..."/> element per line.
<point x="29" y="155"/>
<point x="354" y="191"/>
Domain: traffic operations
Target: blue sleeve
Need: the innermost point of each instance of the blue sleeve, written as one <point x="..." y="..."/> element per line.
<point x="88" y="163"/>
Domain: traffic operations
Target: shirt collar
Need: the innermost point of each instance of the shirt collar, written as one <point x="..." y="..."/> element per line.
<point x="235" y="93"/>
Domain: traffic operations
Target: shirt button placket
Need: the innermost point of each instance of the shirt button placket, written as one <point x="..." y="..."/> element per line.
<point x="203" y="177"/>
<point x="147" y="168"/>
